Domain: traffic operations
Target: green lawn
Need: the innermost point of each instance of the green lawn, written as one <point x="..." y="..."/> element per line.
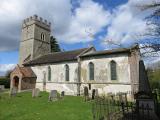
<point x="24" y="107"/>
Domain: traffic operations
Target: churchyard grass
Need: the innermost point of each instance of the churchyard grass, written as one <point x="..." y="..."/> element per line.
<point x="24" y="107"/>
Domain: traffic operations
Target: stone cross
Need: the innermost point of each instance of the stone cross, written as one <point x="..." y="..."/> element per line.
<point x="53" y="95"/>
<point x="35" y="92"/>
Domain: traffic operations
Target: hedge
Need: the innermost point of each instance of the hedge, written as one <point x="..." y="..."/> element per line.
<point x="5" y="81"/>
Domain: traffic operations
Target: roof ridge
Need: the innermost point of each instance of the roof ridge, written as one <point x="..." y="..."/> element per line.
<point x="67" y="51"/>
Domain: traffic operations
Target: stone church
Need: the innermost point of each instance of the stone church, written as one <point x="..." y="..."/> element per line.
<point x="109" y="71"/>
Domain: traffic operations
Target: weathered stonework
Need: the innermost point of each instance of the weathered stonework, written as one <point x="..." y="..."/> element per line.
<point x="32" y="45"/>
<point x="22" y="78"/>
<point x="102" y="80"/>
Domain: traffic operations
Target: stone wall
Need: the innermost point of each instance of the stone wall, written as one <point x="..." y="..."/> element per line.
<point x="102" y="69"/>
<point x="102" y="77"/>
<point x="28" y="83"/>
<point x="103" y="89"/>
<point x="57" y="72"/>
<point x="31" y="43"/>
<point x="57" y="77"/>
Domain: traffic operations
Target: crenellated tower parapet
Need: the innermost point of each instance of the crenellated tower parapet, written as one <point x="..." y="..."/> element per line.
<point x="35" y="19"/>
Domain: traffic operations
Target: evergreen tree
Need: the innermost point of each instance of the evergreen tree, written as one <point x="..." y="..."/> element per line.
<point x="54" y="45"/>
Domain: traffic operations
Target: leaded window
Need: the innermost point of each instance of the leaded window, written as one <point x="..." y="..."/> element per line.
<point x="91" y="71"/>
<point x="113" y="69"/>
<point x="66" y="72"/>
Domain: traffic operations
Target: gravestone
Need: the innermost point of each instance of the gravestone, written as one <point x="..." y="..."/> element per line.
<point x="143" y="78"/>
<point x="93" y="94"/>
<point x="96" y="92"/>
<point x="13" y="91"/>
<point x="2" y="87"/>
<point x="86" y="93"/>
<point x="35" y="92"/>
<point x="145" y="104"/>
<point x="53" y="95"/>
<point x="62" y="94"/>
<point x="123" y="98"/>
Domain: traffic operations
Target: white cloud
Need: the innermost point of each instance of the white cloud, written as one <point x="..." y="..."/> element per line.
<point x="12" y="13"/>
<point x="67" y="27"/>
<point x="127" y="24"/>
<point x="89" y="17"/>
<point x="125" y="21"/>
<point x="6" y="67"/>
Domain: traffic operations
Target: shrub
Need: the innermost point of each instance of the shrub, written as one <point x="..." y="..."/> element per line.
<point x="5" y="81"/>
<point x="154" y="78"/>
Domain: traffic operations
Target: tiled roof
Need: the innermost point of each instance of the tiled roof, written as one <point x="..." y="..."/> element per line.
<point x="72" y="55"/>
<point x="56" y="57"/>
<point x="27" y="72"/>
<point x="113" y="51"/>
<point x="106" y="52"/>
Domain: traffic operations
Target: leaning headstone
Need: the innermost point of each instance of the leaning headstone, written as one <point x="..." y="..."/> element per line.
<point x="86" y="93"/>
<point x="35" y="92"/>
<point x="53" y="95"/>
<point x="62" y="94"/>
<point x="13" y="91"/>
<point x="93" y="94"/>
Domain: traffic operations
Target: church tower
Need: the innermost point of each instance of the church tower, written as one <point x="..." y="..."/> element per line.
<point x="35" y="40"/>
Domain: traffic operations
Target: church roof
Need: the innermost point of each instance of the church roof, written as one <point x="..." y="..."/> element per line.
<point x="104" y="52"/>
<point x="25" y="71"/>
<point x="72" y="55"/>
<point x="56" y="57"/>
<point x="113" y="51"/>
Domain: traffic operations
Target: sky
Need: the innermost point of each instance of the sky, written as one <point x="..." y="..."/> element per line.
<point x="75" y="24"/>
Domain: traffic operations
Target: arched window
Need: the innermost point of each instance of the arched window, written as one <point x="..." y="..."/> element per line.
<point x="113" y="69"/>
<point x="49" y="73"/>
<point x="42" y="36"/>
<point x="91" y="71"/>
<point x="66" y="72"/>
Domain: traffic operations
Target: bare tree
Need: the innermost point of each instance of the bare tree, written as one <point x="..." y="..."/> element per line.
<point x="151" y="46"/>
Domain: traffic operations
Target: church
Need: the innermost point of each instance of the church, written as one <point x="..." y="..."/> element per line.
<point x="108" y="71"/>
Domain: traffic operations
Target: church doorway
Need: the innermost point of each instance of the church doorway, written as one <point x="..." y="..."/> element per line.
<point x="16" y="81"/>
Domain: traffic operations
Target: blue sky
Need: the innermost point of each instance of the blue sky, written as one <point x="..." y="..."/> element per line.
<point x="73" y="23"/>
<point x="11" y="57"/>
